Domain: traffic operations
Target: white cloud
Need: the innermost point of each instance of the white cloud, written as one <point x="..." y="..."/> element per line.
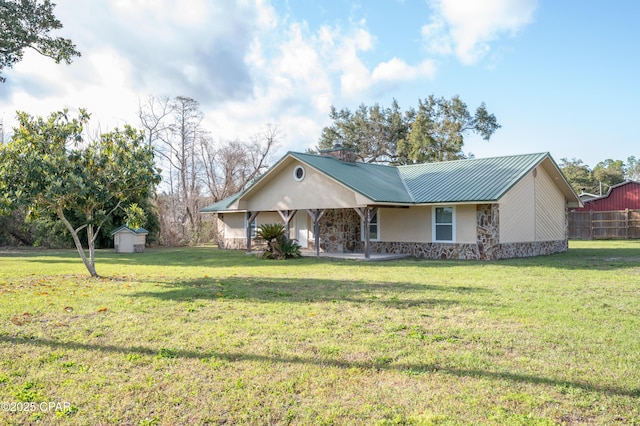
<point x="397" y="70"/>
<point x="466" y="27"/>
<point x="244" y="62"/>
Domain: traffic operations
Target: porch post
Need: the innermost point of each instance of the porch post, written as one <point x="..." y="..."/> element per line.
<point x="365" y="214"/>
<point x="316" y="215"/>
<point x="286" y="216"/>
<point x="250" y="217"/>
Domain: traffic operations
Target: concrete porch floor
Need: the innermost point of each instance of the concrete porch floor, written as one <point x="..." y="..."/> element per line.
<point x="375" y="257"/>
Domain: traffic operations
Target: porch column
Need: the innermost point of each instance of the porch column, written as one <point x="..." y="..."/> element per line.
<point x="250" y="217"/>
<point x="286" y="216"/>
<point x="366" y="213"/>
<point x="316" y="215"/>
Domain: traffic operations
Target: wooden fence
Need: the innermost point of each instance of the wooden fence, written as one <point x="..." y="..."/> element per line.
<point x="609" y="225"/>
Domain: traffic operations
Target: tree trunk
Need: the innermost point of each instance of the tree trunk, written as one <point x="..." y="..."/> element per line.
<point x="92" y="246"/>
<point x="90" y="265"/>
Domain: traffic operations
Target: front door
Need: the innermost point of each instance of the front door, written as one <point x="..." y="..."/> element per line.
<point x="302" y="229"/>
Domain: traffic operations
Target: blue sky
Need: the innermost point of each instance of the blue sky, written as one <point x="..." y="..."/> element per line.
<point x="560" y="76"/>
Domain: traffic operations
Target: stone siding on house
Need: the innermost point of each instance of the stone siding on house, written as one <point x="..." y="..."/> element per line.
<point x="240" y="244"/>
<point x="487" y="230"/>
<point x="470" y="251"/>
<point x="340" y="233"/>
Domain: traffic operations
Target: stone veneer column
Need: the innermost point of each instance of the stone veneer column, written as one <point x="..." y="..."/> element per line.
<point x="487" y="230"/>
<point x="340" y="231"/>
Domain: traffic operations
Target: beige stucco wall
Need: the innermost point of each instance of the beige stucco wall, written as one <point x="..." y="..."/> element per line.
<point x="234" y="223"/>
<point x="405" y="225"/>
<point x="533" y="210"/>
<point x="466" y="224"/>
<point x="415" y="224"/>
<point x="315" y="191"/>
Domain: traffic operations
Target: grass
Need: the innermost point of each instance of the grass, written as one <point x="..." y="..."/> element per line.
<point x="203" y="336"/>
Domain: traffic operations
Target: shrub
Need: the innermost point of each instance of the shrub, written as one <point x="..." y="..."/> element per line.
<point x="270" y="231"/>
<point x="279" y="246"/>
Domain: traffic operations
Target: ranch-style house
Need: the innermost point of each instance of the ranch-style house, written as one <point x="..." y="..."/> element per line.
<point x="480" y="208"/>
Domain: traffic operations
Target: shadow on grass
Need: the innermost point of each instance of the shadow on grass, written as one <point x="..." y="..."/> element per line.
<point x="173" y="256"/>
<point x="323" y="362"/>
<point x="298" y="290"/>
<point x="596" y="255"/>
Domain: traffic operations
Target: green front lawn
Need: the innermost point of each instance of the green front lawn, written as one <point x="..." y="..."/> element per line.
<point x="203" y="336"/>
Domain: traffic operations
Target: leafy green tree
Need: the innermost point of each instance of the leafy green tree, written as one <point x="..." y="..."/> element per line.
<point x="579" y="175"/>
<point x="47" y="166"/>
<point x="135" y="216"/>
<point x="26" y="24"/>
<point x="609" y="172"/>
<point x="14" y="230"/>
<point x="632" y="169"/>
<point x="373" y="132"/>
<point x="435" y="132"/>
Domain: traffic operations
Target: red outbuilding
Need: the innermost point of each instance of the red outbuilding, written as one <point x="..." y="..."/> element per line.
<point x="615" y="215"/>
<point x="625" y="195"/>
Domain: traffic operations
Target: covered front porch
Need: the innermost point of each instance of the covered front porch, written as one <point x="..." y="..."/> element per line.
<point x="330" y="232"/>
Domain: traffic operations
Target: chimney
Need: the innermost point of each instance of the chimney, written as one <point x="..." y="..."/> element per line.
<point x="341" y="153"/>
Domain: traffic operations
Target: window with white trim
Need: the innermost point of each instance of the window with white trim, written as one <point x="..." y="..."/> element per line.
<point x="444" y="224"/>
<point x="374" y="228"/>
<point x="298" y="173"/>
<point x="254" y="227"/>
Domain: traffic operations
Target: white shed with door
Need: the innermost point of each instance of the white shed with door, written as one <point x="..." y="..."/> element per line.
<point x="129" y="240"/>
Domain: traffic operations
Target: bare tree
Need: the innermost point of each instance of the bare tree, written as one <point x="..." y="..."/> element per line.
<point x="196" y="169"/>
<point x="153" y="113"/>
<point x="173" y="128"/>
<point x="232" y="165"/>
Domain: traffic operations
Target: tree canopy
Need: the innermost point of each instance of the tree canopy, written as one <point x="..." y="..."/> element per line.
<point x="49" y="167"/>
<point x="26" y="24"/>
<point x="433" y="132"/>
<point x="604" y="175"/>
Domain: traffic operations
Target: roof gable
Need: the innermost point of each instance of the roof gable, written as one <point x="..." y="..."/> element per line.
<point x="377" y="182"/>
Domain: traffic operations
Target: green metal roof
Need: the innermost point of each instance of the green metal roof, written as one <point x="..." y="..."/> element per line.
<point x="138" y="231"/>
<point x="477" y="179"/>
<point x="222" y="205"/>
<point x="375" y="181"/>
<point x="469" y="180"/>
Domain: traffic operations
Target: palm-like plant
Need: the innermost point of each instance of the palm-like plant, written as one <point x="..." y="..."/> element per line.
<point x="279" y="246"/>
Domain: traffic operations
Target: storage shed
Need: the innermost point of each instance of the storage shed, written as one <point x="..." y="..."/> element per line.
<point x="129" y="240"/>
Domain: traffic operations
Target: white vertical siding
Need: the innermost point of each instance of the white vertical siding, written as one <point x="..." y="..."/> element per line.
<point x="533" y="210"/>
<point x="550" y="209"/>
<point x="517" y="214"/>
